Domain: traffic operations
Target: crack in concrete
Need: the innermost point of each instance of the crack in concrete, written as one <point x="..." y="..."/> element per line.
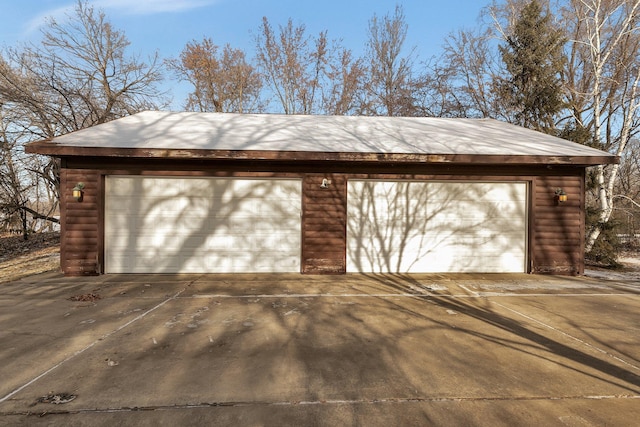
<point x="388" y="400"/>
<point x="401" y="295"/>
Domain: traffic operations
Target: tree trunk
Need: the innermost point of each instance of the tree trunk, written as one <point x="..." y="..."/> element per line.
<point x="606" y="208"/>
<point x="23" y="224"/>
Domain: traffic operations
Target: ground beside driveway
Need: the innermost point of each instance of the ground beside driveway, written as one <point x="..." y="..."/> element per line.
<point x="320" y="350"/>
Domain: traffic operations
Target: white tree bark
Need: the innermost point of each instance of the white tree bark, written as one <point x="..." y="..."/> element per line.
<point x="611" y="26"/>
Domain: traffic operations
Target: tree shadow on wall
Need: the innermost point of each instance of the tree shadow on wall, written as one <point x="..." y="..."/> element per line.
<point x="412" y="226"/>
<point x="201" y="225"/>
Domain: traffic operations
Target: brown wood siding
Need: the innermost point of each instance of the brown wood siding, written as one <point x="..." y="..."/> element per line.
<point x="556" y="231"/>
<point x="558" y="227"/>
<point x="324" y="229"/>
<point x="80" y="231"/>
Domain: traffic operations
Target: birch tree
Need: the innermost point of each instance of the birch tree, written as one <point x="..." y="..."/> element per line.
<point x="600" y="81"/>
<point x="605" y="86"/>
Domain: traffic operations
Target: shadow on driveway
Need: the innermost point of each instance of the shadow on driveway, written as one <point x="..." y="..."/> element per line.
<point x="320" y="350"/>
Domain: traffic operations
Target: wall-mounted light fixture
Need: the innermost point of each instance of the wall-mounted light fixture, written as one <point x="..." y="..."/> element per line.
<point x="77" y="191"/>
<point x="325" y="183"/>
<point x="560" y="195"/>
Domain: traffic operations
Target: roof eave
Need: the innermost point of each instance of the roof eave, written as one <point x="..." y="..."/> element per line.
<point x="55" y="150"/>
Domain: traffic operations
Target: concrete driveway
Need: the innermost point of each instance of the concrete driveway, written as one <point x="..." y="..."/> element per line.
<point x="319" y="350"/>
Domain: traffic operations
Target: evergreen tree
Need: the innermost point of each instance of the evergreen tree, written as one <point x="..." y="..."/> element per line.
<point x="533" y="56"/>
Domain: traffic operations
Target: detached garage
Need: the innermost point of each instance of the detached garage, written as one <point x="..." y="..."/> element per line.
<point x="168" y="192"/>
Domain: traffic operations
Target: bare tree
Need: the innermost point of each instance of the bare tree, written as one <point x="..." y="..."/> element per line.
<point x="601" y="85"/>
<point x="308" y="75"/>
<point x="626" y="212"/>
<point x="222" y="81"/>
<point x="480" y="72"/>
<point x="462" y="80"/>
<point x="82" y="72"/>
<point x="391" y="88"/>
<point x="600" y="82"/>
<point x="21" y="199"/>
<point x="13" y="189"/>
<point x="605" y="86"/>
<point x="345" y="77"/>
<point x="80" y="75"/>
<point x="293" y="65"/>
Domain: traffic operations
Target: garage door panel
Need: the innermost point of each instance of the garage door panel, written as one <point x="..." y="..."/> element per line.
<point x="487" y="191"/>
<point x="151" y="224"/>
<point x="157" y="224"/>
<point x="218" y="242"/>
<point x="471" y="209"/>
<point x="474" y="264"/>
<point x="120" y="187"/>
<point x="436" y="226"/>
<point x="132" y="262"/>
<point x="478" y="226"/>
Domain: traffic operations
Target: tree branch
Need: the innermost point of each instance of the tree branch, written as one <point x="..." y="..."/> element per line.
<point x="628" y="198"/>
<point x="37" y="215"/>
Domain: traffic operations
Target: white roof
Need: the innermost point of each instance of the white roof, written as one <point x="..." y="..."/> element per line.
<point x="318" y="134"/>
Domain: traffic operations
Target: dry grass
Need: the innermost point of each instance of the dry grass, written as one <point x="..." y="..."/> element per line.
<point x="21" y="258"/>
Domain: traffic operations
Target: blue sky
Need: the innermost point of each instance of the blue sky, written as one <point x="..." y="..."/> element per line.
<point x="166" y="26"/>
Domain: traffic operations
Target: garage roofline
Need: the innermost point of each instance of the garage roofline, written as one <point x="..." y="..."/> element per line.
<point x="293" y="138"/>
<point x="52" y="149"/>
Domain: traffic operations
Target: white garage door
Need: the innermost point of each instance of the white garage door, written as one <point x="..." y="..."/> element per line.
<point x="412" y="227"/>
<point x="201" y="225"/>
